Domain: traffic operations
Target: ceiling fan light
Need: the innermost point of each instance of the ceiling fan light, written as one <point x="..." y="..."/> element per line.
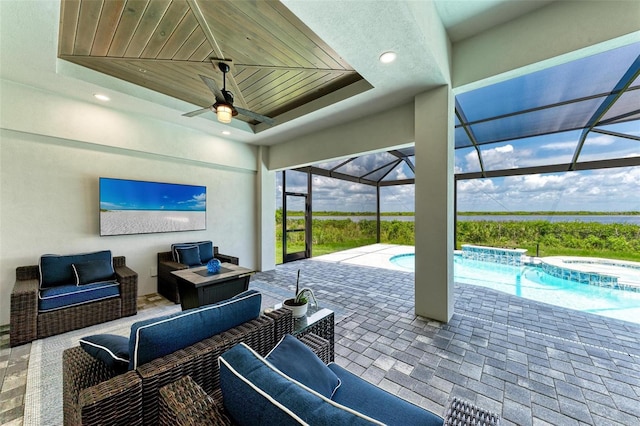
<point x="224" y="113"/>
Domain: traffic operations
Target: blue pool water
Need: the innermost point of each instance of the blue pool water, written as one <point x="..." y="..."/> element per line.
<point x="531" y="283"/>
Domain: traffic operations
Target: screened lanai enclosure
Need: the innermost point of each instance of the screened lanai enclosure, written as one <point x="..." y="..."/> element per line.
<point x="576" y="121"/>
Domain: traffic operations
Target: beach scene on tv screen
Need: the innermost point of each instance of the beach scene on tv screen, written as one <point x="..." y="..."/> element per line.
<point x="137" y="207"/>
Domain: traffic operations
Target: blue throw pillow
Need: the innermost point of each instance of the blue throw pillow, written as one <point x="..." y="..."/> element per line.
<point x="189" y="256"/>
<point x="205" y="247"/>
<point x="157" y="337"/>
<point x="111" y="349"/>
<point x="56" y="269"/>
<point x="93" y="271"/>
<point x="298" y="361"/>
<point x="255" y="392"/>
<point x="206" y="251"/>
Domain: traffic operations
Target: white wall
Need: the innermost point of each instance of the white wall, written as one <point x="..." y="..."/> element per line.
<point x="50" y="161"/>
<point x="375" y="133"/>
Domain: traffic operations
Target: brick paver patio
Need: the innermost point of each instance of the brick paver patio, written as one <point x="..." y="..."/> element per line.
<point x="531" y="362"/>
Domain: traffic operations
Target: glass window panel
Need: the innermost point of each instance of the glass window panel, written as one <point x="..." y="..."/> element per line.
<point x="461" y="138"/>
<point x="295" y="212"/>
<point x="466" y="160"/>
<point x="555" y="148"/>
<point x="628" y="102"/>
<point x="331" y="194"/>
<point x="566" y="117"/>
<point x="296" y="181"/>
<point x="616" y="189"/>
<point x="376" y="176"/>
<point x="599" y="146"/>
<point x="330" y="165"/>
<point x="588" y="76"/>
<point x="366" y="163"/>
<point x="400" y="172"/>
<point x="398" y="198"/>
<point x="626" y="128"/>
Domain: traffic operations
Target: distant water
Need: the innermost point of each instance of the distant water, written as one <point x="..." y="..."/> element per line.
<point x="627" y="219"/>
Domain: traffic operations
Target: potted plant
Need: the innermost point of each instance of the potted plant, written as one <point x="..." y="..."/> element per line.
<point x="300" y="302"/>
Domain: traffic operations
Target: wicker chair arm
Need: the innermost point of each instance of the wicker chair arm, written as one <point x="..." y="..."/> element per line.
<point x="128" y="280"/>
<point x="461" y="413"/>
<point x="26" y="287"/>
<point x="225" y="257"/>
<point x="184" y="402"/>
<point x="165" y="256"/>
<point x="167" y="266"/>
<point x="283" y="322"/>
<point x="23" y="321"/>
<point x="92" y="392"/>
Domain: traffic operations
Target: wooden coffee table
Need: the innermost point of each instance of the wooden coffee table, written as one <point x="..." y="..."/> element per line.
<point x="198" y="287"/>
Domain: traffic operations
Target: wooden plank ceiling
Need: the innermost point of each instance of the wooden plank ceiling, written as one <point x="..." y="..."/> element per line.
<point x="277" y="63"/>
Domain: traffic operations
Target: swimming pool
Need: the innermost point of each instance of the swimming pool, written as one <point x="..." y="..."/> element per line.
<point x="532" y="283"/>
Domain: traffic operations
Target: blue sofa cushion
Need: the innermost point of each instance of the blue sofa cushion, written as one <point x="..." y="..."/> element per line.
<point x="93" y="271"/>
<point x="64" y="296"/>
<point x="256" y="393"/>
<point x="374" y="402"/>
<point x="188" y="255"/>
<point x="297" y="361"/>
<point x="205" y="248"/>
<point x="111" y="349"/>
<point x="157" y="337"/>
<point x="56" y="270"/>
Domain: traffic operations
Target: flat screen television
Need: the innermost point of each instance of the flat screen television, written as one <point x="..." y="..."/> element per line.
<point x="140" y="207"/>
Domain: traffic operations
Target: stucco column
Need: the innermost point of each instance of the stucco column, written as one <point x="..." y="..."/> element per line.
<point x="434" y="128"/>
<point x="265" y="213"/>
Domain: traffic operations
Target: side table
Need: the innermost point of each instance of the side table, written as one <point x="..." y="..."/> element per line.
<point x="319" y="321"/>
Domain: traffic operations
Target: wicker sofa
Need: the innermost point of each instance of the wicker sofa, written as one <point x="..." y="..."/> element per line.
<point x="30" y="320"/>
<point x="168" y="262"/>
<point x="97" y="394"/>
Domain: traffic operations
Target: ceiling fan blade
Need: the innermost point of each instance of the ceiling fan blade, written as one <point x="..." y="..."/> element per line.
<point x="211" y="84"/>
<point x="196" y="112"/>
<point x="263" y="118"/>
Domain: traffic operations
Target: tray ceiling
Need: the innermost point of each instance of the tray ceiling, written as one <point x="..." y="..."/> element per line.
<point x="277" y="63"/>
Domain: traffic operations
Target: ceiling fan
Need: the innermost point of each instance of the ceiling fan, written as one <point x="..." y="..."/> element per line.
<point x="223" y="107"/>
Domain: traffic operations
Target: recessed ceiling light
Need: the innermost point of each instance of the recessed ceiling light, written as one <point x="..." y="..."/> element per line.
<point x="226" y="132"/>
<point x="101" y="97"/>
<point x="388" y="57"/>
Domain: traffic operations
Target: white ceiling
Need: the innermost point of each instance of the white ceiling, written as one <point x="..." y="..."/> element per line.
<point x="358" y="30"/>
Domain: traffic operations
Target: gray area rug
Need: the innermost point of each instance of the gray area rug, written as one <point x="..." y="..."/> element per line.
<point x="43" y="397"/>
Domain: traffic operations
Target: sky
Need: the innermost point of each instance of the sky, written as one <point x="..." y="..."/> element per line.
<point x="120" y="194"/>
<point x="596" y="190"/>
<point x="506" y="111"/>
<point x="602" y="190"/>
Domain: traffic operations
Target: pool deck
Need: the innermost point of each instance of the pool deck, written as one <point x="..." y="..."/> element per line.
<point x="533" y="363"/>
<point x="375" y="255"/>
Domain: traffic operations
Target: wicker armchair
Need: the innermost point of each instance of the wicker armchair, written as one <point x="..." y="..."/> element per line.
<point x="167" y="284"/>
<point x="27" y="324"/>
<point x="95" y="394"/>
<point x="185" y="403"/>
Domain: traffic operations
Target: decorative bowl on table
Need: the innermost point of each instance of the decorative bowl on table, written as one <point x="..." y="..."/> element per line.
<point x="213" y="266"/>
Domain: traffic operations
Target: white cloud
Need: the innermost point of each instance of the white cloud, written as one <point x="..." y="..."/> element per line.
<point x="501" y="157"/>
<point x="560" y="146"/>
